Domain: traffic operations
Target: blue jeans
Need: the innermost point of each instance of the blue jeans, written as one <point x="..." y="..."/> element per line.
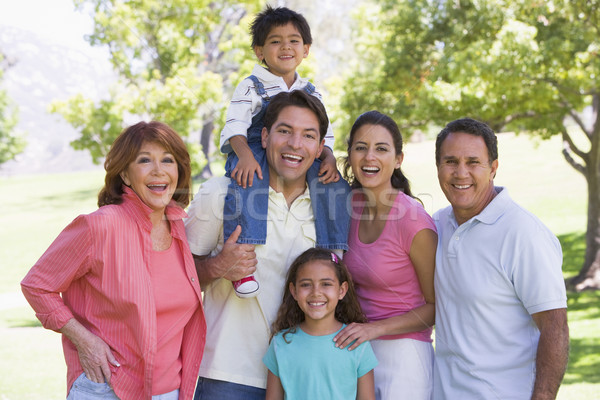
<point x="211" y="389"/>
<point x="85" y="389"/>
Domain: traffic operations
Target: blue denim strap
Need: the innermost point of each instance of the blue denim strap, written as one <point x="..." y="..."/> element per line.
<point x="310" y="88"/>
<point x="259" y="88"/>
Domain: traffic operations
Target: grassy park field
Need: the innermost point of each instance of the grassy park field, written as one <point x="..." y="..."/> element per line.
<point x="36" y="208"/>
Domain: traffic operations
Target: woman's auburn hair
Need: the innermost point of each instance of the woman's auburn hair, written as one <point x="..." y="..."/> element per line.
<point x="125" y="149"/>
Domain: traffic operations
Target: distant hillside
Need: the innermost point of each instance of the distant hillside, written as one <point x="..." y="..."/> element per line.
<point x="41" y="72"/>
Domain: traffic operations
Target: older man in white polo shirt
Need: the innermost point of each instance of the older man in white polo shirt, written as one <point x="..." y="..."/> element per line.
<point x="239" y="329"/>
<point x="501" y="321"/>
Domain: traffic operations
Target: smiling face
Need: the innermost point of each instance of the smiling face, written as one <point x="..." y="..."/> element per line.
<point x="292" y="145"/>
<point x="373" y="157"/>
<point x="153" y="176"/>
<point x="466" y="175"/>
<point x="317" y="291"/>
<point x="283" y="51"/>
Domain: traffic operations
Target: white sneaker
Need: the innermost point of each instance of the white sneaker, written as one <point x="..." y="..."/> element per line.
<point x="246" y="287"/>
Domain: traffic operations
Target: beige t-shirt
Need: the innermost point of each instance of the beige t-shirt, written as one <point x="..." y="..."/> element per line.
<point x="238" y="330"/>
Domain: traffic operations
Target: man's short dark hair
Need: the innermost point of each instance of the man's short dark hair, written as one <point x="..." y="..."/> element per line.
<point x="471" y="127"/>
<point x="272" y="17"/>
<point x="297" y="98"/>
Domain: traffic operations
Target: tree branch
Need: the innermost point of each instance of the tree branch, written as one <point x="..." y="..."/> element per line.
<point x="569" y="148"/>
<point x="561" y="88"/>
<point x="569" y="142"/>
<point x="580" y="122"/>
<point x="566" y="104"/>
<point x="514" y="117"/>
<point x="578" y="167"/>
<point x="213" y="55"/>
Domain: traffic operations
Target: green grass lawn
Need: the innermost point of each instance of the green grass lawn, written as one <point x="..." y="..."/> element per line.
<point x="36" y="208"/>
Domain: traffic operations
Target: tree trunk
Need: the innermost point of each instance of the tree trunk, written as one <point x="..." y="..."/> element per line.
<point x="589" y="275"/>
<point x="205" y="142"/>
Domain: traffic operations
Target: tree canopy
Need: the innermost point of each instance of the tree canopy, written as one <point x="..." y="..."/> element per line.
<point x="525" y="65"/>
<point x="173" y="62"/>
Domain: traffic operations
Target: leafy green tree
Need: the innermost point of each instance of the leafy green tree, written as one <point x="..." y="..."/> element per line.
<point x="527" y="65"/>
<point x="11" y="142"/>
<point x="174" y="60"/>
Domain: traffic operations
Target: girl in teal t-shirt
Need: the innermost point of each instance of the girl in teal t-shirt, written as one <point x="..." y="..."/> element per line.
<point x="303" y="362"/>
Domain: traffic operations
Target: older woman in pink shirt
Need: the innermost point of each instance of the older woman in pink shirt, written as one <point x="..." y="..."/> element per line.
<point x="392" y="243"/>
<point x="120" y="283"/>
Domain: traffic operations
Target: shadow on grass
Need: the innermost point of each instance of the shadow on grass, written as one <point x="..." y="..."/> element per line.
<point x="74" y="196"/>
<point x="19" y="317"/>
<point x="583" y="305"/>
<point x="63" y="200"/>
<point x="23" y="323"/>
<point x="573" y="247"/>
<point x="584" y="357"/>
<point x="584" y="361"/>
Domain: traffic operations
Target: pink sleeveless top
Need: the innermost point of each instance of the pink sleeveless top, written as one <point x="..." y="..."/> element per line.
<point x="384" y="277"/>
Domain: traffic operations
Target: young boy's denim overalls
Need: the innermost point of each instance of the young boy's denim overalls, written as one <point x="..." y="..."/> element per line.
<point x="248" y="207"/>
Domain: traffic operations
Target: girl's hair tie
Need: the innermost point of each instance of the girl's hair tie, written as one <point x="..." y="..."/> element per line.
<point x="335" y="258"/>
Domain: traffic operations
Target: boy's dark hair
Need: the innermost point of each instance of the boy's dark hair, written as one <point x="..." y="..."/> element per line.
<point x="297" y="98"/>
<point x="290" y="315"/>
<point x="272" y="17"/>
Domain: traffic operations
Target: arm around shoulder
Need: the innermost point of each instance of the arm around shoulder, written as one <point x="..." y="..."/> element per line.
<point x="422" y="255"/>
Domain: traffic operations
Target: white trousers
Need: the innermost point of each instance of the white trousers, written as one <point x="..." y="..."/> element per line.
<point x="405" y="369"/>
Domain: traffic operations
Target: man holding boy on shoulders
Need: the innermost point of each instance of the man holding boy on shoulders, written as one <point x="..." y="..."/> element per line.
<point x="239" y="329"/>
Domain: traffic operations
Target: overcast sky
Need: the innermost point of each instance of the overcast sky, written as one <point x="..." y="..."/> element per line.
<point x="56" y="20"/>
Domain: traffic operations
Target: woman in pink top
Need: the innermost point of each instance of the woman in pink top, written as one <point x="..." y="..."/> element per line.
<point x="120" y="283"/>
<point x="391" y="257"/>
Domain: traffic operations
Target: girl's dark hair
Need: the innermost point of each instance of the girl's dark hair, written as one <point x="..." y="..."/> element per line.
<point x="399" y="180"/>
<point x="125" y="149"/>
<point x="290" y="315"/>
